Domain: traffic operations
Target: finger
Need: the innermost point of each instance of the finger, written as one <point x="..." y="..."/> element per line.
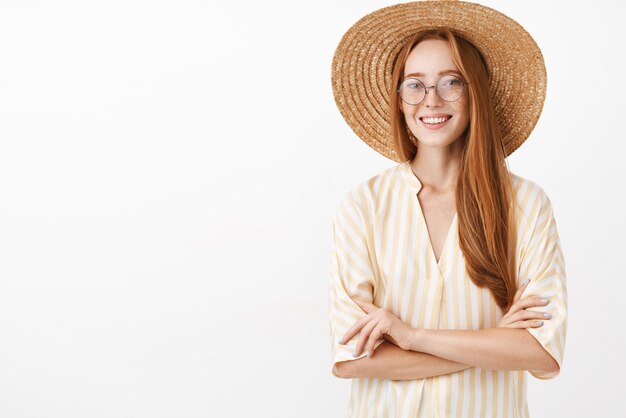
<point x="358" y="302"/>
<point x="366" y="306"/>
<point x="520" y="290"/>
<point x="365" y="333"/>
<point x="529" y="324"/>
<point x="376" y="334"/>
<point x="529" y="301"/>
<point x="526" y="303"/>
<point x="523" y="324"/>
<point x="354" y="329"/>
<point x="528" y="314"/>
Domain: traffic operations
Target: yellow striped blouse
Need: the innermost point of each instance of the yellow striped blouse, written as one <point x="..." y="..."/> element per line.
<point x="381" y="252"/>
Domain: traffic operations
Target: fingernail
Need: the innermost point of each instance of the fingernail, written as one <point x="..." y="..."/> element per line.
<point x="547" y="315"/>
<point x="340" y="341"/>
<point x="543" y="300"/>
<point x="539" y="322"/>
<point x="526" y="282"/>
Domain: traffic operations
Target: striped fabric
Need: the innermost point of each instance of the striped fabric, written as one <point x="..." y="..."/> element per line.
<point x="381" y="252"/>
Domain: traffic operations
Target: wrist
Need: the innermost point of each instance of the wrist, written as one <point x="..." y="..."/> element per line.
<point x="417" y="337"/>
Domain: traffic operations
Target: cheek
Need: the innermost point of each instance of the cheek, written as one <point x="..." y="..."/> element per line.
<point x="466" y="105"/>
<point x="407" y="112"/>
<point x="463" y="110"/>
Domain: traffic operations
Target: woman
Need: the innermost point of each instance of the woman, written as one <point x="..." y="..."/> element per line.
<point x="448" y="280"/>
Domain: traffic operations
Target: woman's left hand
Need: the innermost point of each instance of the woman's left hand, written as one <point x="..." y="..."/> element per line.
<point x="379" y="323"/>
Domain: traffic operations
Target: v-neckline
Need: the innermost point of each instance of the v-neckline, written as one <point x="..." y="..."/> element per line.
<point x="417" y="184"/>
<point x="448" y="238"/>
<point x="445" y="243"/>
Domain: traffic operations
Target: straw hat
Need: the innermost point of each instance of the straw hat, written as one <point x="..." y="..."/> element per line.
<point x="363" y="63"/>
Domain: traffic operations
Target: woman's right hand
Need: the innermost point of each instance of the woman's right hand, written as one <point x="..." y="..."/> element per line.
<point x="519" y="317"/>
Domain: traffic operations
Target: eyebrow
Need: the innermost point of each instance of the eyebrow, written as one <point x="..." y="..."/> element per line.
<point x="439" y="73"/>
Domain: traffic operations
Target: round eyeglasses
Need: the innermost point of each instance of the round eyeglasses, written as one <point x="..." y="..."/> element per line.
<point x="449" y="88"/>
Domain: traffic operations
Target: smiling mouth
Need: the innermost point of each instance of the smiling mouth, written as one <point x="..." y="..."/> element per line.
<point x="435" y="121"/>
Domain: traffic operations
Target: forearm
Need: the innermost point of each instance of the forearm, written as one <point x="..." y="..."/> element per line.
<point x="393" y="363"/>
<point x="491" y="348"/>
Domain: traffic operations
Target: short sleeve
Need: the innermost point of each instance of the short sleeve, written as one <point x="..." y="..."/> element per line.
<point x="351" y="276"/>
<point x="543" y="263"/>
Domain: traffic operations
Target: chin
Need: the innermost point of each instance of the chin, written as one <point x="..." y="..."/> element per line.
<point x="435" y="140"/>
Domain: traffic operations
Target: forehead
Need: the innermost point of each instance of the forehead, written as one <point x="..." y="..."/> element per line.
<point x="430" y="58"/>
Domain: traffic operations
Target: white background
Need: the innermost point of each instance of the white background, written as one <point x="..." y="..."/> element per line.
<point x="168" y="175"/>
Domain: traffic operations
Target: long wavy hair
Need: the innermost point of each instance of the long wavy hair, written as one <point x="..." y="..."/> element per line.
<point x="484" y="191"/>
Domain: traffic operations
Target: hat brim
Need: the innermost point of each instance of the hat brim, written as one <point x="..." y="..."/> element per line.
<point x="363" y="63"/>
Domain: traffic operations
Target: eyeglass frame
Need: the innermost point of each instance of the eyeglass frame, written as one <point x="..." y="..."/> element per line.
<point x="427" y="89"/>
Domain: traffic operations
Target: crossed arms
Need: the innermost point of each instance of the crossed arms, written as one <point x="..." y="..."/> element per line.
<point x="438" y="352"/>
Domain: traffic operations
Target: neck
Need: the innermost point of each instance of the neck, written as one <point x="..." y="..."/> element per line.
<point x="436" y="167"/>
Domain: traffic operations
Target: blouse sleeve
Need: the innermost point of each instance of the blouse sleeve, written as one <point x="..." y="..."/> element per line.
<point x="351" y="276"/>
<point x="543" y="263"/>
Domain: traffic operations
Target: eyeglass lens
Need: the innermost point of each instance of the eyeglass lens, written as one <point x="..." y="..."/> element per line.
<point x="449" y="88"/>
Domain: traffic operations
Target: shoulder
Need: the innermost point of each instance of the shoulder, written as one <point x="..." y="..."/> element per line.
<point x="531" y="199"/>
<point x="363" y="197"/>
<point x="526" y="189"/>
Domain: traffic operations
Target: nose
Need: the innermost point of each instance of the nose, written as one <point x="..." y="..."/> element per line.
<point x="432" y="98"/>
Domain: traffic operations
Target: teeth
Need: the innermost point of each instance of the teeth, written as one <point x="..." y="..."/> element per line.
<point x="435" y="120"/>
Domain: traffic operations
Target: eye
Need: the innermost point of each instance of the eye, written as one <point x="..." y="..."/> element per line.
<point x="413" y="85"/>
<point x="451" y="83"/>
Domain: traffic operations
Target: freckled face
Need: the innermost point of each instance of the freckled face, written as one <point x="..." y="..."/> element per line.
<point x="429" y="57"/>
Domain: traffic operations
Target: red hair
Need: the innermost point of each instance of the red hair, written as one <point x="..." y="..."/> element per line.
<point x="484" y="190"/>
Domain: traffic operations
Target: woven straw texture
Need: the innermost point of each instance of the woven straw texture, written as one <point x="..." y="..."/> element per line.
<point x="363" y="62"/>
